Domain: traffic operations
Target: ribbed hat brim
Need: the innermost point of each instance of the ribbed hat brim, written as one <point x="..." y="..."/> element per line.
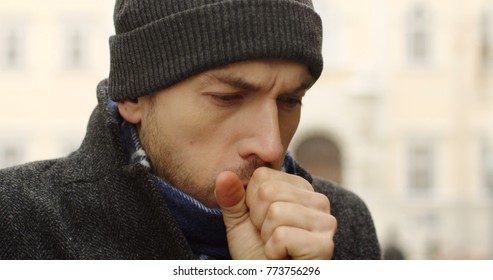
<point x="173" y="48"/>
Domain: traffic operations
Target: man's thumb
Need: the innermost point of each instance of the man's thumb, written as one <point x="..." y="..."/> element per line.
<point x="231" y="196"/>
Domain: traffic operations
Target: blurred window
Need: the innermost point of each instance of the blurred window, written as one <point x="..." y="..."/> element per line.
<point x="321" y="157"/>
<point x="75" y="45"/>
<point x="487" y="166"/>
<point x="486" y="30"/>
<point x="421" y="170"/>
<point x="10" y="155"/>
<point x="12" y="50"/>
<point x="419" y="35"/>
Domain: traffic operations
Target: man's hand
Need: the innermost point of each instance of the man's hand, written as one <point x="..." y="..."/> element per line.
<point x="278" y="216"/>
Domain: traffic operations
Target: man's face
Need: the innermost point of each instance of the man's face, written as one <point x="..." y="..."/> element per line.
<point x="236" y="118"/>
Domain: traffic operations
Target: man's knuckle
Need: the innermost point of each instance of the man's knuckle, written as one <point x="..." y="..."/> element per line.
<point x="333" y="222"/>
<point x="321" y="202"/>
<point x="274" y="211"/>
<point x="267" y="191"/>
<point x="279" y="235"/>
<point x="261" y="174"/>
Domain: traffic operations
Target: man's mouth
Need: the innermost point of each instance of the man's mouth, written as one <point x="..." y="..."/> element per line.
<point x="247" y="170"/>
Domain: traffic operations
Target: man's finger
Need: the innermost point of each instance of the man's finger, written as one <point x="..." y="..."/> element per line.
<point x="230" y="195"/>
<point x="298" y="244"/>
<point x="295" y="215"/>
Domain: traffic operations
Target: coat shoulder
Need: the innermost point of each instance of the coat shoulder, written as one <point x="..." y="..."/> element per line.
<point x="26" y="212"/>
<point x="356" y="236"/>
<point x="23" y="177"/>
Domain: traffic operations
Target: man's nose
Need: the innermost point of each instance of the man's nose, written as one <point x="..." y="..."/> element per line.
<point x="262" y="135"/>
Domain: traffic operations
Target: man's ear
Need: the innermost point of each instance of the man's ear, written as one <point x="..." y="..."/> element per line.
<point x="130" y="110"/>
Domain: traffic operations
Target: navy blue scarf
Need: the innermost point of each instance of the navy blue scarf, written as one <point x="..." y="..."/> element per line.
<point x="203" y="227"/>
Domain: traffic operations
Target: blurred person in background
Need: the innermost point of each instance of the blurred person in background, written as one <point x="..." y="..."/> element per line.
<point x="185" y="156"/>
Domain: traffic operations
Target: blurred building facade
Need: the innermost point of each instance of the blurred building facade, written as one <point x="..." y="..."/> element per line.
<point x="52" y="55"/>
<point x="402" y="115"/>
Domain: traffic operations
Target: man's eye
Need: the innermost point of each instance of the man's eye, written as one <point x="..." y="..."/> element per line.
<point x="228" y="99"/>
<point x="290" y="102"/>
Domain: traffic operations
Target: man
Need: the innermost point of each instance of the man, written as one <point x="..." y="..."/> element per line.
<point x="185" y="155"/>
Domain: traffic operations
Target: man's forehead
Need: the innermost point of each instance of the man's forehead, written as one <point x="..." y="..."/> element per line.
<point x="241" y="71"/>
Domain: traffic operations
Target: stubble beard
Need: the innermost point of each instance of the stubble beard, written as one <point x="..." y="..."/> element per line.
<point x="167" y="165"/>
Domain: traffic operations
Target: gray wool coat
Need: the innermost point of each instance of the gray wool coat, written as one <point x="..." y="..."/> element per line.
<point x="94" y="204"/>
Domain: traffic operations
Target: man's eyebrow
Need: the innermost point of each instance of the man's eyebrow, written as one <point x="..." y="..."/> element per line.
<point x="307" y="84"/>
<point x="234" y="81"/>
<point x="238" y="82"/>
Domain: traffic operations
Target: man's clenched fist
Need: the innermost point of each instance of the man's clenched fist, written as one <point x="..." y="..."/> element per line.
<point x="277" y="216"/>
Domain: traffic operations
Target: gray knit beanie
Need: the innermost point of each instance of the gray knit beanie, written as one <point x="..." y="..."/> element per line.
<point x="159" y="43"/>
